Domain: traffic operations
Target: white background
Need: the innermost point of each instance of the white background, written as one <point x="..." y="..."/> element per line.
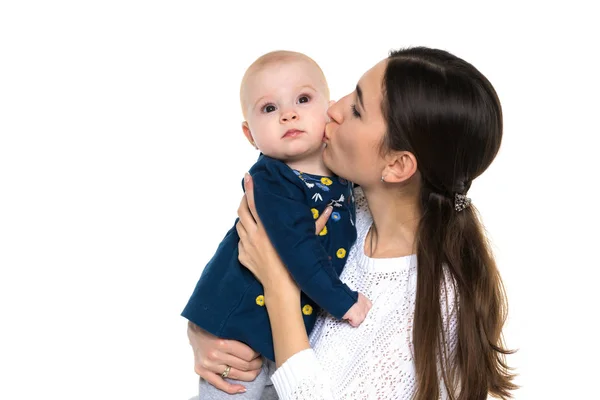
<point x="121" y="159"/>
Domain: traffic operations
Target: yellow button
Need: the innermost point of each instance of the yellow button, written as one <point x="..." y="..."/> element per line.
<point x="315" y="213"/>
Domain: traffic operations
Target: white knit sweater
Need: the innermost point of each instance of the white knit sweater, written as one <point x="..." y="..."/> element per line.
<point x="375" y="360"/>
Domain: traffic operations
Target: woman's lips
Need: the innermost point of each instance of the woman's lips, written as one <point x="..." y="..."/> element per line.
<point x="325" y="137"/>
<point x="292" y="133"/>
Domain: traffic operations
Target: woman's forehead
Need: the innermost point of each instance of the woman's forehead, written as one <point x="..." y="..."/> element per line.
<point x="370" y="84"/>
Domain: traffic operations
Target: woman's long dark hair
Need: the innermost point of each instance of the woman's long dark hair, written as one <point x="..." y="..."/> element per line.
<point x="445" y="112"/>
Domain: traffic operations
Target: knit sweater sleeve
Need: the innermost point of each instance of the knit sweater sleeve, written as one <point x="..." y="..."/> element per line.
<point x="304" y="377"/>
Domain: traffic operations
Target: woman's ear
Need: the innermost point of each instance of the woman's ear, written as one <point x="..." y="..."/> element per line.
<point x="248" y="134"/>
<point x="400" y="167"/>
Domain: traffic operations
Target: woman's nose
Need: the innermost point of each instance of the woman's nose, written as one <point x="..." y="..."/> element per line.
<point x="288" y="116"/>
<point x="335" y="112"/>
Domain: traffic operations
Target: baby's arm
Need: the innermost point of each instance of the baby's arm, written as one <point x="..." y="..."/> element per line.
<point x="358" y="312"/>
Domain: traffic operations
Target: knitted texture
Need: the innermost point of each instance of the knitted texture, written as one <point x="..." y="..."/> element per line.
<point x="375" y="360"/>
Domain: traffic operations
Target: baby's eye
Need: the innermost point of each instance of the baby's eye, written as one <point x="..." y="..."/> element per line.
<point x="303" y="99"/>
<point x="268" y="108"/>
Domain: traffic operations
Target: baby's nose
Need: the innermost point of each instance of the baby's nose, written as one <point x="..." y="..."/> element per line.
<point x="289" y="116"/>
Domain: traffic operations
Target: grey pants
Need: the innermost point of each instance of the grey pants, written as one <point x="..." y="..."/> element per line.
<point x="260" y="388"/>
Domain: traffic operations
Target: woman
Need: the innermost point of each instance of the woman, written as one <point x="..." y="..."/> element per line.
<point x="420" y="126"/>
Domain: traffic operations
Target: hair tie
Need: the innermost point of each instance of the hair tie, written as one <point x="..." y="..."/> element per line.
<point x="461" y="202"/>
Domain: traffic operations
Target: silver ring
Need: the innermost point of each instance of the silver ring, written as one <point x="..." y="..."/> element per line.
<point x="225" y="373"/>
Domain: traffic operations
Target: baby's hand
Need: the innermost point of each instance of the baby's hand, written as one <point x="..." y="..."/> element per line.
<point x="358" y="312"/>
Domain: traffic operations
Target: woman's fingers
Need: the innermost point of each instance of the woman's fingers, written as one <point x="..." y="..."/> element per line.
<point x="244" y="362"/>
<point x="246" y="376"/>
<point x="249" y="188"/>
<point x="213" y="355"/>
<point x="322" y="220"/>
<point x="222" y="384"/>
<point x="245" y="216"/>
<point x="241" y="231"/>
<point x="243" y="257"/>
<point x="242" y="368"/>
<point x="243" y="211"/>
<point x="243" y="352"/>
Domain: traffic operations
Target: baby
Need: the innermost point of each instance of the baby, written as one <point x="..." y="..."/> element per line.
<point x="284" y="98"/>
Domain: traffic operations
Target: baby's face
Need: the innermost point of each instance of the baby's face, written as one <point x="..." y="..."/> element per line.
<point x="286" y="109"/>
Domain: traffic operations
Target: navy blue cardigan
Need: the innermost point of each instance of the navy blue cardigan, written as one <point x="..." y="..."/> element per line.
<point x="228" y="301"/>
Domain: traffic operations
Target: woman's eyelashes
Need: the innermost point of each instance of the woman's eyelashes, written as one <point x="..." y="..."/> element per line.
<point x="355" y="111"/>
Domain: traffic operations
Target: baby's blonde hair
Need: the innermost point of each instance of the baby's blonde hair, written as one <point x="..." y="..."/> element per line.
<point x="275" y="57"/>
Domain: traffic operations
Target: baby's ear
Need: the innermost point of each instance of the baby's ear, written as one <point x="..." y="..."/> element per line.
<point x="248" y="134"/>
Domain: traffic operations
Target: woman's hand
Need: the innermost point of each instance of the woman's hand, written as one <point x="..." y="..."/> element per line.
<point x="213" y="355"/>
<point x="282" y="295"/>
<point x="255" y="249"/>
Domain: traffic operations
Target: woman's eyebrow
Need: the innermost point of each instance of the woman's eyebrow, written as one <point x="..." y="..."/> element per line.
<point x="360" y="96"/>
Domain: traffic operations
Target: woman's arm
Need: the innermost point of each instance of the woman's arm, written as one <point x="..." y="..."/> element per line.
<point x="213" y="355"/>
<point x="294" y="357"/>
<point x="287" y="325"/>
<point x="299" y="375"/>
<point x="282" y="295"/>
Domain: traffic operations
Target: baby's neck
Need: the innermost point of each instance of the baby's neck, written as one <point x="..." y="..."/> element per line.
<point x="312" y="164"/>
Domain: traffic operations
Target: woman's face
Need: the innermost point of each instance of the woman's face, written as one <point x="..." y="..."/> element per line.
<point x="356" y="131"/>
